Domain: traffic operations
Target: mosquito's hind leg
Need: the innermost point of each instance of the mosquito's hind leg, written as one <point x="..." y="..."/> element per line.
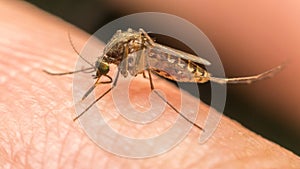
<point x="169" y="104"/>
<point x="248" y="79"/>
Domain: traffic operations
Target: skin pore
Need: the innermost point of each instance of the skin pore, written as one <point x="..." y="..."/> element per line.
<point x="37" y="130"/>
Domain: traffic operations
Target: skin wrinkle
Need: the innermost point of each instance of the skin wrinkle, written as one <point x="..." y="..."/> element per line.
<point x="77" y="157"/>
<point x="50" y="128"/>
<point x="63" y="157"/>
<point x="11" y="155"/>
<point x="192" y="163"/>
<point x="60" y="154"/>
<point x="27" y="152"/>
<point x="46" y="140"/>
<point x="93" y="158"/>
<point x="18" y="153"/>
<point x="183" y="162"/>
<point x="77" y="148"/>
<point x="34" y="145"/>
<point x="4" y="152"/>
<point x="195" y="161"/>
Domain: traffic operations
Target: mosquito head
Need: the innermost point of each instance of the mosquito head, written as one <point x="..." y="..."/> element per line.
<point x="102" y="68"/>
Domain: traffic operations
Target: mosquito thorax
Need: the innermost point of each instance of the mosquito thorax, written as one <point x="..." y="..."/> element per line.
<point x="129" y="41"/>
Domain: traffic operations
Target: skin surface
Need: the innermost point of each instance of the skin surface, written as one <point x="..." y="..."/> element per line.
<point x="37" y="130"/>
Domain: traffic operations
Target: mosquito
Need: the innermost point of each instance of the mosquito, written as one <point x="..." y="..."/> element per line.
<point x="135" y="52"/>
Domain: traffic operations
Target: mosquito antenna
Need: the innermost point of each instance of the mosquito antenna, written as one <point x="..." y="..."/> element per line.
<point x="72" y="44"/>
<point x="249" y="79"/>
<point x="67" y="73"/>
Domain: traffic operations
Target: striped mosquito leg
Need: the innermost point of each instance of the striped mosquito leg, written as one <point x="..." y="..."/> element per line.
<point x="248" y="79"/>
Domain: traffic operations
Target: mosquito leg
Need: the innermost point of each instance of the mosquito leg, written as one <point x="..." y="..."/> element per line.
<point x="91" y="89"/>
<point x="144" y="75"/>
<point x="100" y="97"/>
<point x="106" y="82"/>
<point x="169" y="104"/>
<point x="95" y="84"/>
<point x="150" y="79"/>
<point x="67" y="73"/>
<point x="116" y="79"/>
<point x="249" y="79"/>
<point x="95" y="101"/>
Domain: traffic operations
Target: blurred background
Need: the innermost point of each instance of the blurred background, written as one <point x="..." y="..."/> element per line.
<point x="250" y="38"/>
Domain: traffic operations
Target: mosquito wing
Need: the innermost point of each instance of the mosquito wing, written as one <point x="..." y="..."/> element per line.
<point x="183" y="55"/>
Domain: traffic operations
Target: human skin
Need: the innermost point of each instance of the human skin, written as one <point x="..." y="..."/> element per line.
<point x="37" y="130"/>
<point x="250" y="37"/>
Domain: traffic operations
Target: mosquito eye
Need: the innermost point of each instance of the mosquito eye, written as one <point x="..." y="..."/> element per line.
<point x="103" y="68"/>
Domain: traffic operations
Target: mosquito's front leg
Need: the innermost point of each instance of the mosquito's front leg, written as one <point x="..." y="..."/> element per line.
<point x="100" y="97"/>
<point x="91" y="88"/>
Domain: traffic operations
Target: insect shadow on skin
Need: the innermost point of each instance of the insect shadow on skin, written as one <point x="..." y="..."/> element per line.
<point x="135" y="52"/>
